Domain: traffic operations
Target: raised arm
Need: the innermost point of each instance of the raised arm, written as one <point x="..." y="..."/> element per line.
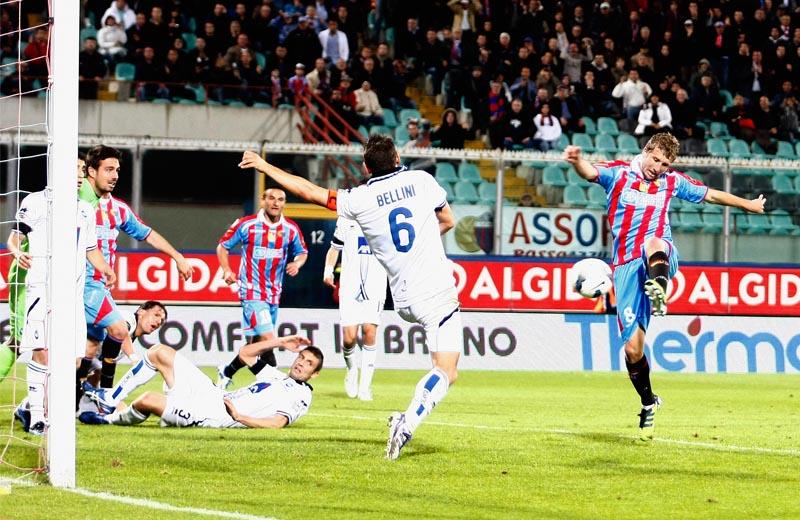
<point x="294" y="184"/>
<point x="249" y="353"/>
<point x="572" y="154"/>
<point x="723" y="198"/>
<point x="157" y="241"/>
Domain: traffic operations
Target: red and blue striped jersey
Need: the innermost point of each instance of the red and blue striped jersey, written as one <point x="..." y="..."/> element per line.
<point x="266" y="248"/>
<point x="111" y="216"/>
<point x="637" y="208"/>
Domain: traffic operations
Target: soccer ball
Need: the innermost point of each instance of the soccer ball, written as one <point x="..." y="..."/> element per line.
<point x="592" y="277"/>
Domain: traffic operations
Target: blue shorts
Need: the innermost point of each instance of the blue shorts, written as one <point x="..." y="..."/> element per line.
<point x="633" y="305"/>
<point x="100" y="308"/>
<point x="258" y="317"/>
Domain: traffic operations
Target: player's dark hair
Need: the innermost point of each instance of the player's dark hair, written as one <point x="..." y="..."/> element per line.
<point x="100" y="153"/>
<point x="317" y="354"/>
<point x="380" y="155"/>
<point x="149" y="304"/>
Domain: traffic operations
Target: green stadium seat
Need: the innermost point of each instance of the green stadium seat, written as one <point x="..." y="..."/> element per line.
<point x="165" y="101"/>
<point x="86" y="32"/>
<point x="261" y="60"/>
<point x="487" y="191"/>
<point x="184" y="101"/>
<point x="446" y="172"/>
<point x="389" y="119"/>
<point x="690" y="219"/>
<point x="627" y="144"/>
<point x="408" y="113"/>
<point x="607" y="125"/>
<point x="713" y="219"/>
<point x="574" y="178"/>
<point x="363" y="131"/>
<point x="675" y="204"/>
<point x="234" y="103"/>
<point x="782" y="223"/>
<point x="762" y="184"/>
<point x="738" y="148"/>
<point x="574" y="195"/>
<point x="190" y="39"/>
<point x="727" y="98"/>
<point x="261" y="105"/>
<point x="756" y="152"/>
<point x="758" y="224"/>
<point x="590" y="127"/>
<point x="584" y="141"/>
<point x="740" y="223"/>
<point x="125" y="72"/>
<point x="782" y="184"/>
<point x="797" y="148"/>
<point x="597" y="197"/>
<point x="716" y="147"/>
<point x="785" y="150"/>
<point x="401" y="135"/>
<point x="553" y="176"/>
<point x="199" y="92"/>
<point x="720" y="130"/>
<point x="561" y="143"/>
<point x="378" y="130"/>
<point x="448" y="189"/>
<point x="465" y="192"/>
<point x="469" y="172"/>
<point x="605" y="143"/>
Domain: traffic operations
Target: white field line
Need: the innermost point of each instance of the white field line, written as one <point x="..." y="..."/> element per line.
<point x="690" y="444"/>
<point x="141" y="502"/>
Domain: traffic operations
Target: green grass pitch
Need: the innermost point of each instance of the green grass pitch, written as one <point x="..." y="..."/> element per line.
<point x="501" y="445"/>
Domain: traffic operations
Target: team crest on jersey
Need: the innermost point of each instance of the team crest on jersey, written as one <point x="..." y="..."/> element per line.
<point x="271" y="235"/>
<point x="363" y="246"/>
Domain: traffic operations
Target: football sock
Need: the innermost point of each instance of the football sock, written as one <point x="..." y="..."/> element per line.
<point x="658" y="268"/>
<point x="349" y="358"/>
<point x="267" y="358"/>
<point x="80" y="374"/>
<point x="430" y="390"/>
<point x="127" y="417"/>
<point x="37" y="376"/>
<point x="139" y="374"/>
<point x="368" y="353"/>
<point x="110" y="351"/>
<point x="234" y="366"/>
<point x="639" y="374"/>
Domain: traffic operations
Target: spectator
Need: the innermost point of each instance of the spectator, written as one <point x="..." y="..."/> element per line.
<point x="607" y="24"/>
<point x="18" y="82"/>
<point x="339" y="70"/>
<point x="278" y="89"/>
<point x="477" y="100"/>
<point x="176" y="76"/>
<point x="345" y="110"/>
<point x="633" y="93"/>
<point x="739" y="120"/>
<point x="416" y="137"/>
<point x="263" y="35"/>
<point x="111" y="40"/>
<point x="450" y="134"/>
<point x="526" y="201"/>
<point x="666" y="64"/>
<point x="121" y="12"/>
<point x="755" y="81"/>
<point x="35" y="54"/>
<point x="782" y="66"/>
<point x="690" y="46"/>
<point x="280" y="60"/>
<point x="767" y="122"/>
<point x="684" y="117"/>
<point x="720" y="47"/>
<point x="517" y="127"/>
<point x="200" y="61"/>
<point x="574" y="60"/>
<point x="789" y="129"/>
<point x="234" y="52"/>
<point x="316" y="24"/>
<point x="298" y="84"/>
<point x="602" y="73"/>
<point x="408" y="42"/>
<point x="464" y="14"/>
<point x="567" y="110"/>
<point x="433" y="58"/>
<point x="214" y="40"/>
<point x="546" y="80"/>
<point x="220" y="18"/>
<point x="524" y="88"/>
<point x="232" y="37"/>
<point x="367" y="106"/>
<point x="319" y="80"/>
<point x="398" y="82"/>
<point x="149" y="77"/>
<point x="548" y="129"/>
<point x="703" y="69"/>
<point x="348" y="26"/>
<point x="595" y="100"/>
<point x="251" y="80"/>
<point x="334" y="43"/>
<point x="91" y="69"/>
<point x="156" y="32"/>
<point x="655" y="117"/>
<point x="240" y="15"/>
<point x="136" y="35"/>
<point x="707" y="99"/>
<point x="787" y="90"/>
<point x="303" y="43"/>
<point x="222" y="81"/>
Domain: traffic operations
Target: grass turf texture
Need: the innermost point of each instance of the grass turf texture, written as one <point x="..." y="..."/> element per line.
<point x="518" y="445"/>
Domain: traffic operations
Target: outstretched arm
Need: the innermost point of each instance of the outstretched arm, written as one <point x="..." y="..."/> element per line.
<point x="572" y="154"/>
<point x="723" y="198"/>
<point x="296" y="185"/>
<point x="157" y="241"/>
<point x="292" y="343"/>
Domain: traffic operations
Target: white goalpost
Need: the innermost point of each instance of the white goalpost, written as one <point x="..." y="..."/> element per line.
<point x="62" y="154"/>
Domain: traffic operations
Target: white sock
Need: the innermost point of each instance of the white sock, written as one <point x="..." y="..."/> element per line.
<point x="431" y="389"/>
<point x="368" y="353"/>
<point x="127" y="417"/>
<point x="349" y="357"/>
<point x="37" y="377"/>
<point x="139" y="374"/>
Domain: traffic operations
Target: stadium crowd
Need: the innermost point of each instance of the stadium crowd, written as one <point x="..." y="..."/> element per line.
<point x="527" y="70"/>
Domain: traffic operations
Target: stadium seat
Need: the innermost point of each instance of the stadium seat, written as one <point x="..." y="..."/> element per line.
<point x="199" y="92"/>
<point x="574" y="178"/>
<point x="378" y="129"/>
<point x="190" y="39"/>
<point x="719" y="130"/>
<point x="741" y="183"/>
<point x="693" y="147"/>
<point x="449" y="191"/>
<point x="445" y="172"/>
<point x="782" y="223"/>
<point x="716" y="147"/>
<point x="465" y="192"/>
<point x="727" y="98"/>
<point x="165" y="101"/>
<point x="584" y="141"/>
<point x="797" y="148"/>
<point x="627" y="144"/>
<point x="597" y="197"/>
<point x="261" y="59"/>
<point x="607" y="125"/>
<point x="715" y="178"/>
<point x="713" y="219"/>
<point x="401" y="135"/>
<point x="553" y="176"/>
<point x="675" y="204"/>
<point x="184" y="101"/>
<point x="605" y="143"/>
<point x="469" y="172"/>
<point x="389" y="119"/>
<point x="574" y="195"/>
<point x="737" y="148"/>
<point x="125" y="71"/>
<point x="363" y="131"/>
<point x="785" y="150"/>
<point x="758" y="224"/>
<point x="590" y="127"/>
<point x="756" y="152"/>
<point x="561" y="143"/>
<point x="87" y="32"/>
<point x="762" y="184"/>
<point x="408" y="113"/>
<point x="690" y="220"/>
<point x="782" y="184"/>
<point x="487" y="191"/>
<point x="739" y="218"/>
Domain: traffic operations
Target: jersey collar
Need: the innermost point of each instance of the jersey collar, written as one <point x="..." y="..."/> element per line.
<point x="385" y="174"/>
<point x="262" y="217"/>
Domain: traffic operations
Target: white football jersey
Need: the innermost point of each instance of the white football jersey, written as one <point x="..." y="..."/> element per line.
<point x="362" y="277"/>
<point x="273" y="393"/>
<point x="32" y="221"/>
<point x="397" y="214"/>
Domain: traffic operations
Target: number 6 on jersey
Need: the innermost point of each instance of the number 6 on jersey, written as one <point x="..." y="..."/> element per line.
<point x="396" y="226"/>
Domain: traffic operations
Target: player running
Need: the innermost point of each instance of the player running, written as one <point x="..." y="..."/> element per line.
<point x="644" y="258"/>
<point x="268" y="241"/>
<point x="275" y="400"/>
<point x="362" y="292"/>
<point x="402" y="214"/>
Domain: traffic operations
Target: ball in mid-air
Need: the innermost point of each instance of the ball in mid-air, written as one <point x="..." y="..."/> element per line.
<point x="592" y="277"/>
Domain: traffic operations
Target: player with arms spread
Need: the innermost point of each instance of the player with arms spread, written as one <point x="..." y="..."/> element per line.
<point x="402" y="215"/>
<point x="644" y="257"/>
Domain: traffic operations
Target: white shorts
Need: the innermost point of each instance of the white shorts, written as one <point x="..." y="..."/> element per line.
<point x="441" y="319"/>
<point x="193" y="399"/>
<point x="34" y="332"/>
<point x="352" y="312"/>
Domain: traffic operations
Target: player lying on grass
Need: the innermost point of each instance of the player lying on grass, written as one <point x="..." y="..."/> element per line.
<point x="275" y="400"/>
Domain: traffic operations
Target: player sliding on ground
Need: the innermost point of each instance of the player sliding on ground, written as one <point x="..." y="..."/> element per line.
<point x="275" y="400"/>
<point x="402" y="215"/>
<point x="644" y="258"/>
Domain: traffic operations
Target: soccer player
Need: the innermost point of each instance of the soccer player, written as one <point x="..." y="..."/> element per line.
<point x="275" y="400"/>
<point x="362" y="291"/>
<point x="105" y="322"/>
<point x="16" y="317"/>
<point x="644" y="257"/>
<point x="32" y="224"/>
<point x="402" y="214"/>
<point x="271" y="246"/>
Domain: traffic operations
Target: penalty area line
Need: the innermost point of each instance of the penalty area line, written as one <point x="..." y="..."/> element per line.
<point x="574" y="433"/>
<point x="142" y="502"/>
